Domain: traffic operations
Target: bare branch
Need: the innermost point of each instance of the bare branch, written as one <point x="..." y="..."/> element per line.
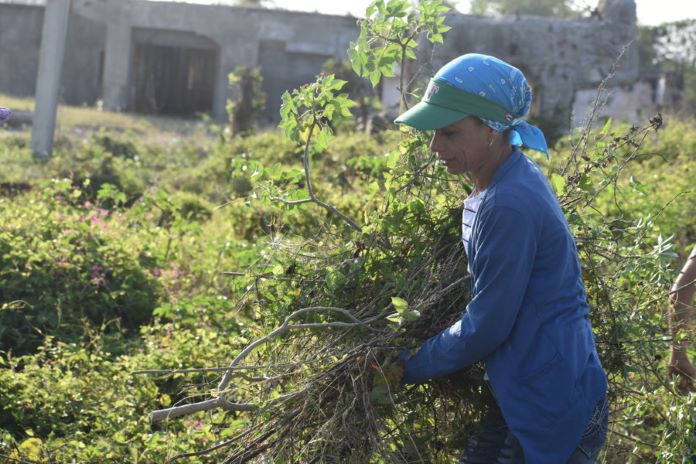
<point x="305" y="161"/>
<point x="285" y="326"/>
<point x="293" y="202"/>
<point x="203" y="452"/>
<point x="219" y="402"/>
<point x="195" y="370"/>
<point x="333" y="210"/>
<point x="310" y="188"/>
<point x="676" y="290"/>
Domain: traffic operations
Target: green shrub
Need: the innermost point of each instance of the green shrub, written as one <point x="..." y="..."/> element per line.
<point x="70" y="403"/>
<point x="63" y="263"/>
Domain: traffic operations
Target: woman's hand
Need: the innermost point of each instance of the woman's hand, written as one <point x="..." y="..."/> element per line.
<point x="386" y="379"/>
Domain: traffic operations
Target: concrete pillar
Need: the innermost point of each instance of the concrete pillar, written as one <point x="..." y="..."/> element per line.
<point x="221" y="91"/>
<point x="53" y="38"/>
<point x="117" y="67"/>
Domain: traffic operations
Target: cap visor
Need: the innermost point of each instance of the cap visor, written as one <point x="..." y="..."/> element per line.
<point x="426" y="116"/>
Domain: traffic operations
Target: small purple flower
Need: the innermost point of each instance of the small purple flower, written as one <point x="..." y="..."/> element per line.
<point x="156" y="272"/>
<point x="97" y="275"/>
<point x="174" y="273"/>
<point x="4" y="114"/>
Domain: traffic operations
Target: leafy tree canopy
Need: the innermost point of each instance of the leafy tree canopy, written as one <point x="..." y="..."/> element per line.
<point x="673" y="42"/>
<point x="671" y="47"/>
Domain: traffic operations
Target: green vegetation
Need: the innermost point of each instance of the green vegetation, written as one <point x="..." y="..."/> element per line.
<point x="99" y="283"/>
<point x="250" y="99"/>
<point x="170" y="252"/>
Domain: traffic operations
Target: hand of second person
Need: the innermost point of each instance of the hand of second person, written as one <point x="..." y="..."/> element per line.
<point x="680" y="365"/>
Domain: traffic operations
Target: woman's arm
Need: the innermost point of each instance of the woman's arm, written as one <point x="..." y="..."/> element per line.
<point x="501" y="269"/>
<point x="681" y="310"/>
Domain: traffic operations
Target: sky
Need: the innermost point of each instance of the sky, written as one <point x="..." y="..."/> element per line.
<point x="650" y="12"/>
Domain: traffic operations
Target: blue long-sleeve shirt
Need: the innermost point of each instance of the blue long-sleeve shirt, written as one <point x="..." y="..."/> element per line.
<point x="527" y="318"/>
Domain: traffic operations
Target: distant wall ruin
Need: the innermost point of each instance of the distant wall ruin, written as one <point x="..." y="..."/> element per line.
<point x="174" y="58"/>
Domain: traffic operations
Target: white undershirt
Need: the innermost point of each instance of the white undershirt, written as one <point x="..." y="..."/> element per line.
<point x="471" y="206"/>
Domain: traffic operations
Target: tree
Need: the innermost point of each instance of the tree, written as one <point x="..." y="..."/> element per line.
<point x="671" y="47"/>
<point x="248" y="98"/>
<point x="553" y="8"/>
<point x="676" y="42"/>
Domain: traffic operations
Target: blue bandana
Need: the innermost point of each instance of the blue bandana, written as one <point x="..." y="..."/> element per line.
<point x="498" y="81"/>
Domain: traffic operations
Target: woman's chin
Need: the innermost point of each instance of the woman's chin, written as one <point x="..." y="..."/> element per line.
<point x="453" y="169"/>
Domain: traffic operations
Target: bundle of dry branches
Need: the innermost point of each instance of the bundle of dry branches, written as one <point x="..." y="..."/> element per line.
<point x="311" y="395"/>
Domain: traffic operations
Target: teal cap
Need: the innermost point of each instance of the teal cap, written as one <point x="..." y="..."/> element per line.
<point x="444" y="104"/>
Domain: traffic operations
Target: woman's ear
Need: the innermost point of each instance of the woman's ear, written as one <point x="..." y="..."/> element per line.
<point x="490" y="134"/>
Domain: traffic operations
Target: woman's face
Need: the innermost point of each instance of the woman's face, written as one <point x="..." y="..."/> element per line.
<point x="463" y="146"/>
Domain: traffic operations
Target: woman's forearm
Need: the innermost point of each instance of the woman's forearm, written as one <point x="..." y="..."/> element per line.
<point x="682" y="304"/>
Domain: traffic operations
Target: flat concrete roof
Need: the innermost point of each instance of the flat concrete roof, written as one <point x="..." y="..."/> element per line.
<point x="23" y="2"/>
<point x="198" y="5"/>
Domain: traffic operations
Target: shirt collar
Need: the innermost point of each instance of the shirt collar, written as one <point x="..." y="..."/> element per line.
<point x="505" y="167"/>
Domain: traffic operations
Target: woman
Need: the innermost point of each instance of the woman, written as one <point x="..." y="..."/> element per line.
<point x="527" y="318"/>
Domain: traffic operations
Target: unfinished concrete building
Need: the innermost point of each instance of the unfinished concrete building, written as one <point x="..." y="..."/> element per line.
<point x="174" y="58"/>
<point x="168" y="58"/>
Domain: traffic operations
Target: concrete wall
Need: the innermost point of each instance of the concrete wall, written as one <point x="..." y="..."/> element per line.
<point x="83" y="66"/>
<point x="20" y="41"/>
<point x="633" y="101"/>
<point x="561" y="58"/>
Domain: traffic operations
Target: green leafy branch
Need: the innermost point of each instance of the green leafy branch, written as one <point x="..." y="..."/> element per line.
<point x="308" y="116"/>
<point x="388" y="36"/>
